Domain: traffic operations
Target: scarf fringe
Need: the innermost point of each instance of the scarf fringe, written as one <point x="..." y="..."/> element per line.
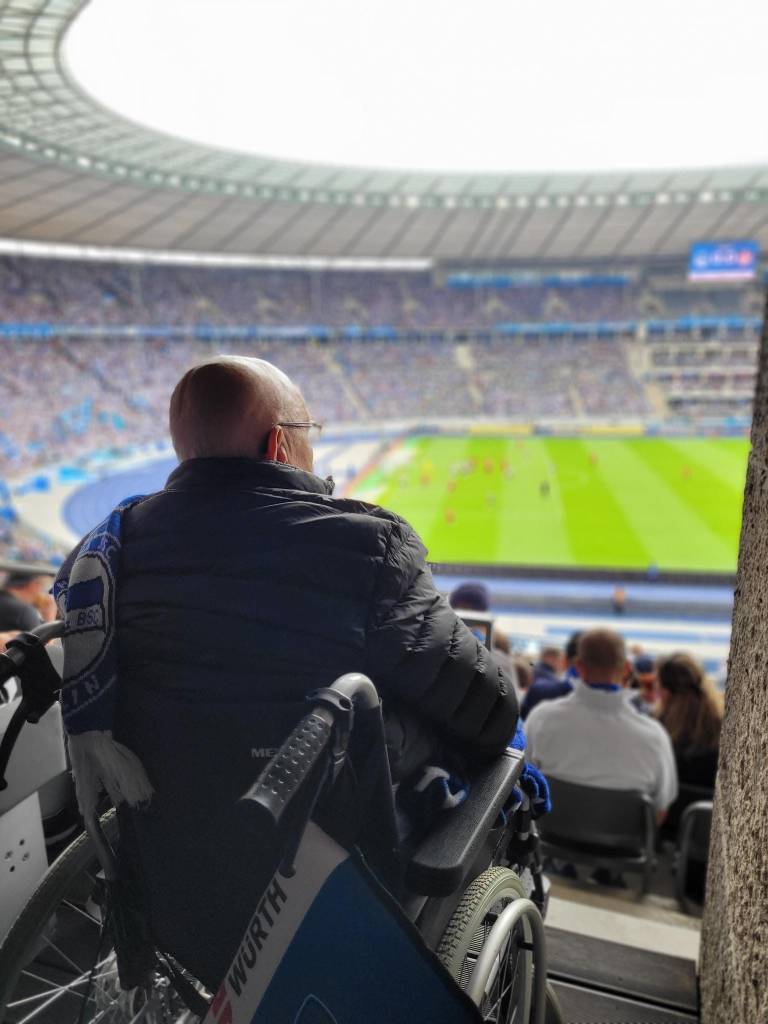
<point x="100" y="763"/>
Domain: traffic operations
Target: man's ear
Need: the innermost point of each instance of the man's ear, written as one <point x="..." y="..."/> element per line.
<point x="276" y="445"/>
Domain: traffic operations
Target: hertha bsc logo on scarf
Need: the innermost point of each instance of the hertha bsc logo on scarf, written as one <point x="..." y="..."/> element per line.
<point x="89" y="616"/>
<point x="87" y="601"/>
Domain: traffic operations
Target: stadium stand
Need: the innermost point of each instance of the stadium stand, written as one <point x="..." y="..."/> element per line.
<point x="90" y="293"/>
<point x="101" y="393"/>
<point x="97" y="346"/>
<point x="93" y="348"/>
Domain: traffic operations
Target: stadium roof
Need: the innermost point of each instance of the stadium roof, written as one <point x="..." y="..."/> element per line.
<point x="72" y="171"/>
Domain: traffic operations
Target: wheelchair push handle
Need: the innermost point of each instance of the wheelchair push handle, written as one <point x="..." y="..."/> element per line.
<point x="324" y="730"/>
<point x="38" y="693"/>
<point x="14" y="657"/>
<point x="358" y="688"/>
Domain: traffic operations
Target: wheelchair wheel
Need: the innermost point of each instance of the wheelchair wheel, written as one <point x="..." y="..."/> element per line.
<point x="507" y="990"/>
<point x="56" y="964"/>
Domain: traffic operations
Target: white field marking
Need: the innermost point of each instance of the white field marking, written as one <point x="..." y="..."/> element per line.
<point x="371" y="495"/>
<point x="398" y="458"/>
<point x="42" y="511"/>
<point x="351" y="458"/>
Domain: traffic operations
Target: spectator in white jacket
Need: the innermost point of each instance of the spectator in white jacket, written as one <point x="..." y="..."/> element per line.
<point x="595" y="737"/>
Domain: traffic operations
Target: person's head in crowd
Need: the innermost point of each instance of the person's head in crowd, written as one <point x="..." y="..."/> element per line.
<point x="602" y="658"/>
<point x="470" y="597"/>
<point x="26" y="586"/>
<point x="572" y="653"/>
<point x="645" y="679"/>
<point x="474" y="597"/>
<point x="552" y="656"/>
<point x="524" y="670"/>
<point x="32" y="589"/>
<point x="691" y="709"/>
<point x="240" y="407"/>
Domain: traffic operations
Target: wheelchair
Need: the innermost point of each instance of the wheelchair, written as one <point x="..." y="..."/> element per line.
<point x="467" y="898"/>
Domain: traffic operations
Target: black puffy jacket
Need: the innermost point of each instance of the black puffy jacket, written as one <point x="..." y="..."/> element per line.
<point x="244" y="586"/>
<point x="246" y="581"/>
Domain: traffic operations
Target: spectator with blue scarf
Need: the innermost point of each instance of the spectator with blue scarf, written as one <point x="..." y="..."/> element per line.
<point x="595" y="737"/>
<point x="198" y="619"/>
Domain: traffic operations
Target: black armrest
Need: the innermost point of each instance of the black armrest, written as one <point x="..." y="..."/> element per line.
<point x="443" y="860"/>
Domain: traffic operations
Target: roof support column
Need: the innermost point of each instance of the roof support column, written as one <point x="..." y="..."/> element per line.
<point x="734" y="951"/>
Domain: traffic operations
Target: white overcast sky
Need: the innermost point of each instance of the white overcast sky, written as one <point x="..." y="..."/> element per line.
<point x="456" y="85"/>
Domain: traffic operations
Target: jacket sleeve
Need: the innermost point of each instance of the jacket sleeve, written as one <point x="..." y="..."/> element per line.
<point x="530" y="700"/>
<point x="419" y="652"/>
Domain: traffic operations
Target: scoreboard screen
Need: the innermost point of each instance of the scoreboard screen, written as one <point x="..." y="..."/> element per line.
<point x="723" y="261"/>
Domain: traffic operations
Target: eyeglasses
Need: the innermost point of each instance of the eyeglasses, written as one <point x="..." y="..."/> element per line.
<point x="315" y="429"/>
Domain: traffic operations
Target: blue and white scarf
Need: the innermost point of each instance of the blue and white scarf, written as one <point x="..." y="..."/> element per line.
<point x="86" y="600"/>
<point x="532" y="784"/>
<point x="437" y="788"/>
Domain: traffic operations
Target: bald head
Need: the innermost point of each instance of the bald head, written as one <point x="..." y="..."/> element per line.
<point x="230" y="406"/>
<point x="602" y="657"/>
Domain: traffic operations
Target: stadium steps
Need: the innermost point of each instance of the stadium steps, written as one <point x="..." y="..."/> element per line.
<point x="344" y="383"/>
<point x="465" y="360"/>
<point x="644" y="974"/>
<point x="582" y="1005"/>
<point x="90" y="371"/>
<point x="576" y="402"/>
<point x="637" y="359"/>
<point x="605" y="981"/>
<point x="657" y="398"/>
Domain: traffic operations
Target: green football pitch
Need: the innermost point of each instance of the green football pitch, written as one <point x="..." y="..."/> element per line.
<point x="607" y="503"/>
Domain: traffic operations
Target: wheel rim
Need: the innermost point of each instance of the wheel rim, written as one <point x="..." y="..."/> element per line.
<point x="507" y="996"/>
<point x="68" y="974"/>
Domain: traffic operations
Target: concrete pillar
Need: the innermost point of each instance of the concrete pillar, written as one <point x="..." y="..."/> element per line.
<point x="734" y="958"/>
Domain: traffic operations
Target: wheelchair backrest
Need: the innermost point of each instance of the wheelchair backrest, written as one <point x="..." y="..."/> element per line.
<point x="192" y="852"/>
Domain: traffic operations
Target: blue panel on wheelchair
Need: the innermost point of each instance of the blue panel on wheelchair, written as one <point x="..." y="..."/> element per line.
<point x="329" y="946"/>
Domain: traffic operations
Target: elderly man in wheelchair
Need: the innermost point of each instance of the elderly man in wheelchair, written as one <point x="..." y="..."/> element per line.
<point x="330" y="916"/>
<point x="196" y="623"/>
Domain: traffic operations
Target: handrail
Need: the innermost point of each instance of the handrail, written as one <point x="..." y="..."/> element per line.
<point x="34" y="701"/>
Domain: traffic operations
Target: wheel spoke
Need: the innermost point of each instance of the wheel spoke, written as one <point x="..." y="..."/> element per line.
<point x="65" y="953"/>
<point x="55" y="948"/>
<point x="59" y="990"/>
<point x="84" y="913"/>
<point x="57" y="993"/>
<point x="39" y="995"/>
<point x="503" y="981"/>
<point x="500" y="999"/>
